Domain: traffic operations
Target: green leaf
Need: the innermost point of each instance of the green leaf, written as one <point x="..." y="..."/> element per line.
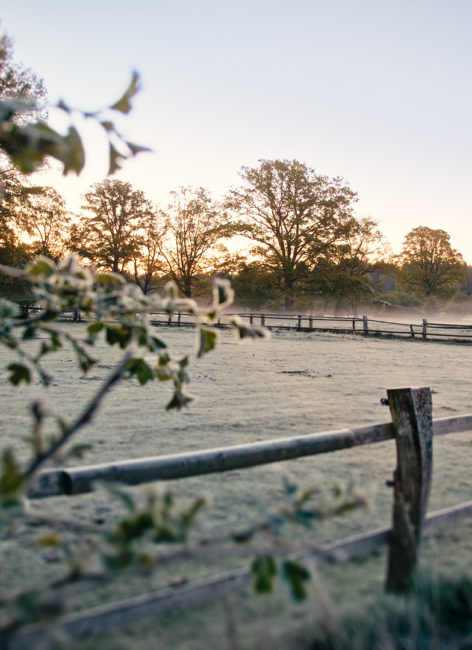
<point x="28" y="333"/>
<point x="41" y="266"/>
<point x="19" y="373"/>
<point x="49" y="540"/>
<point x="94" y="328"/>
<point x="136" y="148"/>
<point x="179" y="401"/>
<point x="74" y="158"/>
<point x="157" y="344"/>
<point x="264" y="570"/>
<point x="141" y="370"/>
<point x="120" y="335"/>
<point x="296" y="575"/>
<point x="133" y="527"/>
<point x="78" y="450"/>
<point x="108" y="126"/>
<point x="222" y="292"/>
<point x="116" y="159"/>
<point x="109" y="279"/>
<point x="207" y="341"/>
<point x="11" y="478"/>
<point x="63" y="106"/>
<point x="123" y="105"/>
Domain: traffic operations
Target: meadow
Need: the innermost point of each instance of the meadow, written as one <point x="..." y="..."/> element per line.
<point x="291" y="384"/>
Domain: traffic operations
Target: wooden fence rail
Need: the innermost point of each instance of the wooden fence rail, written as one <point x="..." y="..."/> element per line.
<point x="76" y="480"/>
<point x="412" y="429"/>
<point x="358" y="325"/>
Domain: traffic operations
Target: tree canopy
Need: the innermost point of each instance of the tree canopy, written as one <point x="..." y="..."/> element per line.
<point x="293" y="215"/>
<point x="429" y="264"/>
<point x="195" y="225"/>
<point x="108" y="229"/>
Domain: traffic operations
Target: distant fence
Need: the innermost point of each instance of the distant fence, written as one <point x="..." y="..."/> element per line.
<point x="357" y="325"/>
<point x="412" y="428"/>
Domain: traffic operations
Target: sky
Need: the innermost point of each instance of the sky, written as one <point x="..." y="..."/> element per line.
<point x="377" y="92"/>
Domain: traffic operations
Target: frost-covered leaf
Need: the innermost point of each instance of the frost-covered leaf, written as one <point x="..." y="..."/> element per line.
<point x="264" y="570"/>
<point x="207" y="341"/>
<point x="19" y="373"/>
<point x="296" y="575"/>
<point x="141" y="370"/>
<point x="123" y="105"/>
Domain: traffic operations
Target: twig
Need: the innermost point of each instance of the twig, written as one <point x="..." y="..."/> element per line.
<point x="83" y="419"/>
<point x="10" y="270"/>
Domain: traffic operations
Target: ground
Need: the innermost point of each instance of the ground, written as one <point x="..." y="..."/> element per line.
<point x="292" y="384"/>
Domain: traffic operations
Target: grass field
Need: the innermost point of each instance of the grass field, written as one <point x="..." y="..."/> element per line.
<point x="294" y="383"/>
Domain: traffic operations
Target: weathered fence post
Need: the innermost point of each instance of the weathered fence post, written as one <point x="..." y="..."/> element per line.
<point x="412" y="331"/>
<point x="299" y="325"/>
<point x="353" y="324"/>
<point x="179" y="318"/>
<point x="262" y="320"/>
<point x="366" y="324"/>
<point x="251" y="319"/>
<point x="411" y="410"/>
<point x="169" y="320"/>
<point x="310" y="322"/>
<point x="425" y="328"/>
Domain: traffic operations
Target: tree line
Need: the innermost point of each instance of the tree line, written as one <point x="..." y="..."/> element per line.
<point x="303" y="243"/>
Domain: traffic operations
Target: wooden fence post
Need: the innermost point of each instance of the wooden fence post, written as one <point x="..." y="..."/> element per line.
<point x="412" y="331"/>
<point x="262" y="320"/>
<point x="366" y="324"/>
<point x="179" y="318"/>
<point x="299" y="325"/>
<point x="425" y="328"/>
<point x="411" y="410"/>
<point x="310" y="322"/>
<point x="251" y="319"/>
<point x="353" y="324"/>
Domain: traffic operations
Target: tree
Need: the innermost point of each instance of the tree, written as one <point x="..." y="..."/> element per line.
<point x="15" y="80"/>
<point x="293" y="214"/>
<point x="429" y="265"/>
<point x="195" y="226"/>
<point x="344" y="274"/>
<point x="44" y="217"/>
<point x="147" y="258"/>
<point x="107" y="233"/>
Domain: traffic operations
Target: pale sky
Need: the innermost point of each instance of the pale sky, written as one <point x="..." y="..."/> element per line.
<point x="375" y="91"/>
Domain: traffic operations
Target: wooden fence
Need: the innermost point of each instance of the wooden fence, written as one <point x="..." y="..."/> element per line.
<point x="357" y="325"/>
<point x="412" y="428"/>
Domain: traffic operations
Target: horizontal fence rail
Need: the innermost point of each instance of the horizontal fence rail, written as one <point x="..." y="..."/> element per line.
<point x="105" y="618"/>
<point x="339" y="324"/>
<point x="77" y="480"/>
<point x="358" y="325"/>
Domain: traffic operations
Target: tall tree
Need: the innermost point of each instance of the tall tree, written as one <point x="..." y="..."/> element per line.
<point x="147" y="257"/>
<point x="107" y="232"/>
<point x="429" y="264"/>
<point x="45" y="219"/>
<point x="293" y="215"/>
<point x="195" y="224"/>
